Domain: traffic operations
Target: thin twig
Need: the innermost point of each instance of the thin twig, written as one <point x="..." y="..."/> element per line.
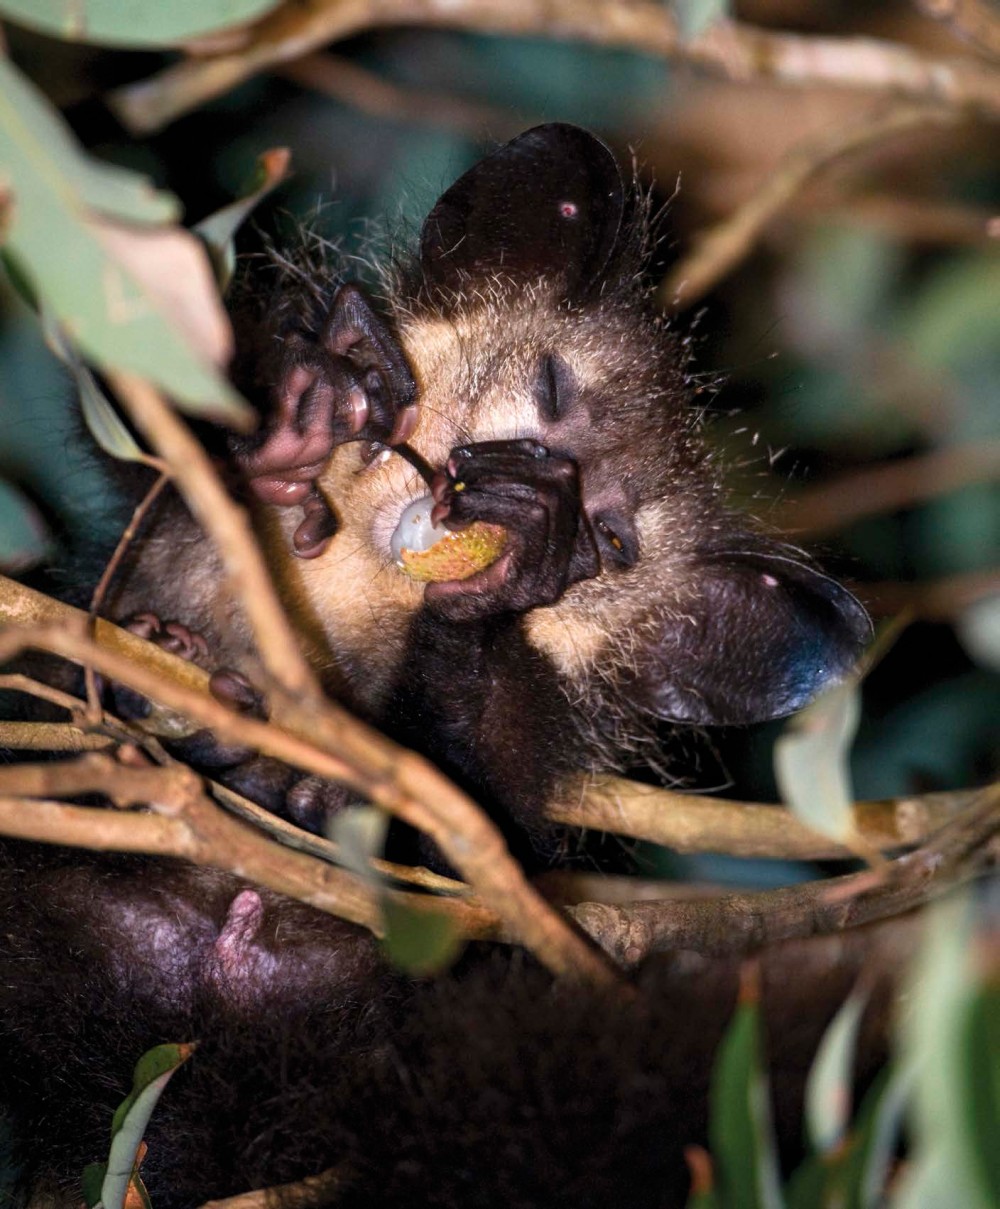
<point x="186" y="823"/>
<point x="918" y="220"/>
<point x="338" y="77"/>
<point x="50" y="736"/>
<point x="887" y="487"/>
<point x="316" y="845"/>
<point x="227" y="524"/>
<point x="934" y="600"/>
<point x="97" y="599"/>
<point x="692" y="823"/>
<point x="718" y="250"/>
<point x="731" y="49"/>
<point x="69" y="738"/>
<point x="313" y="1190"/>
<point x="739" y="923"/>
<point x="17" y="682"/>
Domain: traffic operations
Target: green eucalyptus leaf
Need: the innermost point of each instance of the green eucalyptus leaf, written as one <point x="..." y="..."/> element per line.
<point x="105" y="425"/>
<point x="133" y="298"/>
<point x="152" y="1073"/>
<point x="218" y="229"/>
<point x="359" y="833"/>
<point x="811" y="761"/>
<point x="41" y="136"/>
<point x="809" y="1185"/>
<point x="695" y="16"/>
<point x="944" y="1168"/>
<point x="740" y="1130"/>
<point x="979" y="1071"/>
<point x="102" y="419"/>
<point x="91" y="1182"/>
<point x="420" y="941"/>
<point x="875" y="1135"/>
<point x="828" y="1089"/>
<point x="151" y="23"/>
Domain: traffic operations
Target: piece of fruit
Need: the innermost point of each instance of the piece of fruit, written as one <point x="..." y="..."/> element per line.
<point x="432" y="554"/>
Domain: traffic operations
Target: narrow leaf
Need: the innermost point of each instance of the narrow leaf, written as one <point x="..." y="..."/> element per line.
<point x="979" y="1070"/>
<point x="114" y="23"/>
<point x="152" y="1072"/>
<point x="876" y="1136"/>
<point x="943" y="1169"/>
<point x="416" y="940"/>
<point x="218" y="229"/>
<point x="828" y="1089"/>
<point x="742" y="1139"/>
<point x="809" y="1185"/>
<point x="99" y="413"/>
<point x="132" y="297"/>
<point x="359" y="833"/>
<point x="811" y="762"/>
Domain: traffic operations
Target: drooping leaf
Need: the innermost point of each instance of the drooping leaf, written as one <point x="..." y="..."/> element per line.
<point x="37" y="133"/>
<point x="359" y="833"/>
<point x="129" y="23"/>
<point x="120" y="1183"/>
<point x="875" y="1136"/>
<point x="417" y="940"/>
<point x="979" y="1076"/>
<point x="133" y="297"/>
<point x="102" y="420"/>
<point x="944" y="1168"/>
<point x="828" y="1089"/>
<point x="811" y="762"/>
<point x="740" y="1130"/>
<point x="695" y="16"/>
<point x="218" y="229"/>
<point x="116" y="1184"/>
<point x="809" y="1185"/>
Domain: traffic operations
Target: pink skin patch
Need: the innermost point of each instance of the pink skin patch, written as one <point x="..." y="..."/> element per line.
<point x="234" y="943"/>
<point x="768" y="581"/>
<point x="569" y="209"/>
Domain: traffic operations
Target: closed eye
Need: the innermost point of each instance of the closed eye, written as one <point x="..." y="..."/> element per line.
<point x="555" y="388"/>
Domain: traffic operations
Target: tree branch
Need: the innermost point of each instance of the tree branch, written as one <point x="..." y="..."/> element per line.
<point x="731" y="49"/>
<point x="691" y="823"/>
<point x="338" y="77"/>
<point x="717" y="251"/>
<point x="974" y="21"/>
<point x="740" y="923"/>
<point x="187" y="824"/>
<point x="933" y="600"/>
<point x="886" y="487"/>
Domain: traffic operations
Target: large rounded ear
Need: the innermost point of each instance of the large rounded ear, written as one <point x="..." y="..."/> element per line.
<point x="549" y="203"/>
<point x="765" y="635"/>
